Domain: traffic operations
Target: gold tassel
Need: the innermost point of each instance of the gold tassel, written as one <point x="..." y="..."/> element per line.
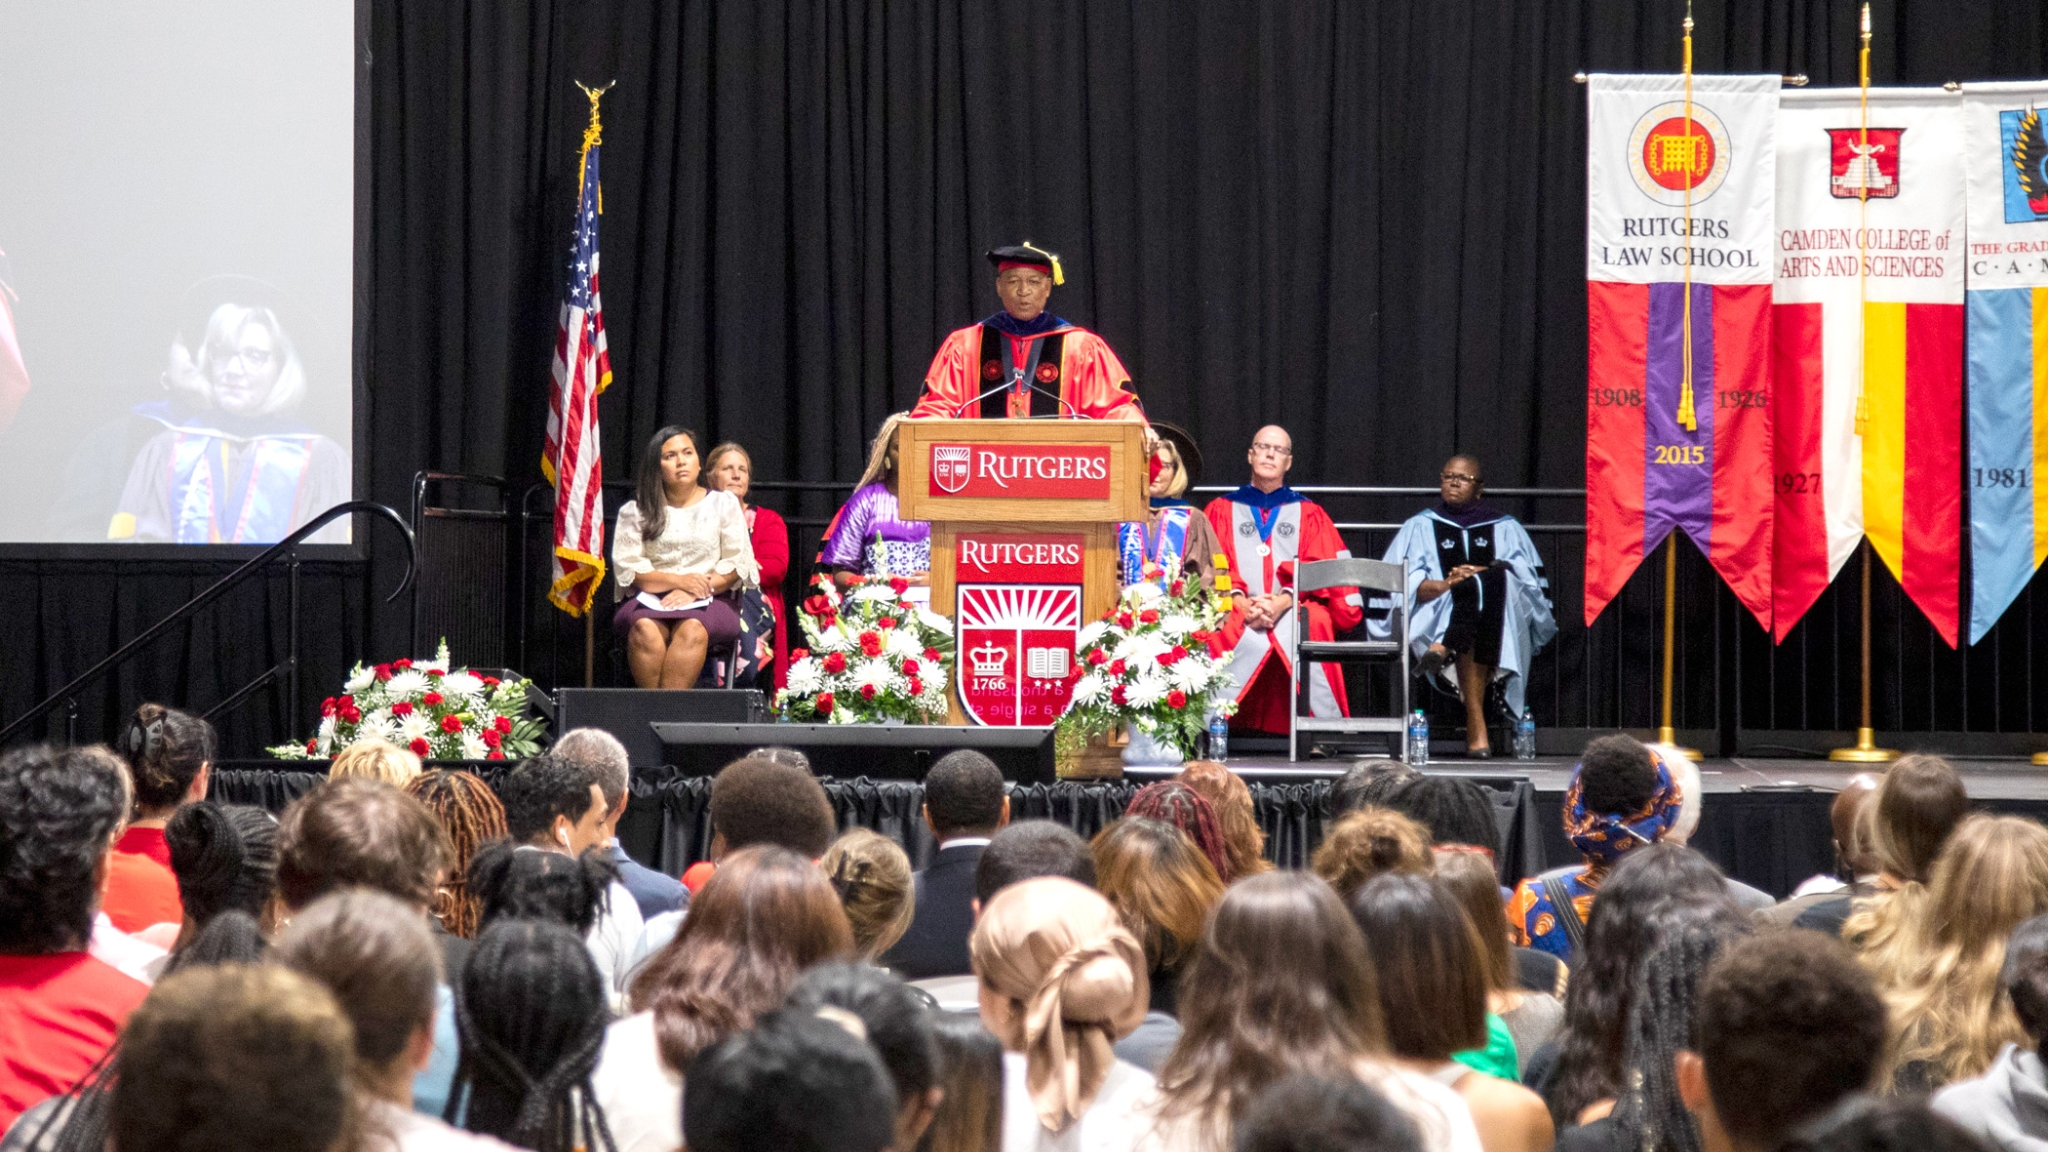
<point x="1059" y="275"/>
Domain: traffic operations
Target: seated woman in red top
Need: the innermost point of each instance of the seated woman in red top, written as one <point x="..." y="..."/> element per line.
<point x="169" y="754"/>
<point x="729" y="469"/>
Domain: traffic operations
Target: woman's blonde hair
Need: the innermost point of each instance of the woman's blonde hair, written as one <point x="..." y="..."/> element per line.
<point x="1178" y="486"/>
<point x="225" y="326"/>
<point x="1367" y="842"/>
<point x="1942" y="982"/>
<point x="718" y="450"/>
<point x="1919" y="802"/>
<point x="882" y="453"/>
<point x="1159" y="883"/>
<point x="871" y="873"/>
<point x="375" y="760"/>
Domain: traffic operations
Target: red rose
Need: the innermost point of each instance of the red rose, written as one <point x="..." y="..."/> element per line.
<point x="401" y="665"/>
<point x="401" y="709"/>
<point x="1116" y="668"/>
<point x="327" y="706"/>
<point x="886" y="622"/>
<point x="1177" y="587"/>
<point x="383" y="672"/>
<point x="352" y="715"/>
<point x="867" y="691"/>
<point x="1116" y="694"/>
<point x="1179" y="653"/>
<point x="916" y="686"/>
<point x="799" y="654"/>
<point x="1166" y="659"/>
<point x="835" y="663"/>
<point x="495" y="755"/>
<point x="312" y="747"/>
<point x="824" y="702"/>
<point x="431" y="698"/>
<point x="898" y="585"/>
<point x="911" y="668"/>
<point x="1149" y="616"/>
<point x="1199" y="636"/>
<point x="1096" y="658"/>
<point x="345" y="702"/>
<point x="493" y="740"/>
<point x="871" y="644"/>
<point x="420" y="747"/>
<point x="503" y="724"/>
<point x="1124" y="620"/>
<point x="451" y="725"/>
<point x="435" y="673"/>
<point x="492" y="681"/>
<point x="932" y="654"/>
<point x="818" y="606"/>
<point x="1176" y="699"/>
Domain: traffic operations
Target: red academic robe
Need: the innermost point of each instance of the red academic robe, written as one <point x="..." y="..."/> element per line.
<point x="1263" y="535"/>
<point x="1074" y="362"/>
<point x="770" y="538"/>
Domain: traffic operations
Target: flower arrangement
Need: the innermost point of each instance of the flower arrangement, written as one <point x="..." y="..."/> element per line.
<point x="441" y="713"/>
<point x="872" y="656"/>
<point x="1149" y="664"/>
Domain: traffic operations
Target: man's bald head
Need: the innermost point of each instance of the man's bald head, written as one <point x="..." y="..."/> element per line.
<point x="1271" y="455"/>
<point x="1845" y="815"/>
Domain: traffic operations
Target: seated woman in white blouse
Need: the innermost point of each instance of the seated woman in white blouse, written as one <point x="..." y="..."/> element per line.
<point x="681" y="553"/>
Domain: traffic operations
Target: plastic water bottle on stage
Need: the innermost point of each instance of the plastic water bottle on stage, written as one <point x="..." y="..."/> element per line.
<point x="1525" y="736"/>
<point x="1418" y="739"/>
<point x="1219" y="739"/>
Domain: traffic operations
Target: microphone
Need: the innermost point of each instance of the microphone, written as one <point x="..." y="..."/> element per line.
<point x="977" y="398"/>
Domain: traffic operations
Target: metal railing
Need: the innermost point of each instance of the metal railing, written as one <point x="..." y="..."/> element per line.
<point x="288" y="668"/>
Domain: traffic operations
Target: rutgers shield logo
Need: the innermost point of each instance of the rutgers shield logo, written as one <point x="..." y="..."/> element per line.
<point x="1860" y="168"/>
<point x="1016" y="646"/>
<point x="951" y="466"/>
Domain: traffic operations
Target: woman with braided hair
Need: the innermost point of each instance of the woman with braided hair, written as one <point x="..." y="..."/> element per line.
<point x="169" y="754"/>
<point x="225" y="858"/>
<point x="531" y="1010"/>
<point x="473" y="816"/>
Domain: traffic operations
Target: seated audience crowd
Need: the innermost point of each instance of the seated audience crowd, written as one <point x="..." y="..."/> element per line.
<point x="404" y="961"/>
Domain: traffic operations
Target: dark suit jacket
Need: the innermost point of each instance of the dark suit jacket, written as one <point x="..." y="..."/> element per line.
<point x="936" y="944"/>
<point x="653" y="891"/>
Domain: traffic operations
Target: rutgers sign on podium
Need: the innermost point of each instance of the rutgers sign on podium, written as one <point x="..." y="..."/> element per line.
<point x="1023" y="516"/>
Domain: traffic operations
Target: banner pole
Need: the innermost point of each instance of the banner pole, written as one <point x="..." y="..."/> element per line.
<point x="1667" y="736"/>
<point x="1865" y="750"/>
<point x="589" y="646"/>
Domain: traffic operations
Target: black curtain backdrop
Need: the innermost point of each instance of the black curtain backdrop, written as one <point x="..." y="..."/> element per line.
<point x="1360" y="220"/>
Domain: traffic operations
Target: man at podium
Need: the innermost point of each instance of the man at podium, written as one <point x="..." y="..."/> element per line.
<point x="1024" y="361"/>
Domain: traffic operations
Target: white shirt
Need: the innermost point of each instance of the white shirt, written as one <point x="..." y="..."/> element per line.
<point x="642" y="1098"/>
<point x="706" y="537"/>
<point x="654" y="936"/>
<point x="120" y="951"/>
<point x="611" y="941"/>
<point x="410" y="1131"/>
<point x="1440" y="1115"/>
<point x="1116" y="1121"/>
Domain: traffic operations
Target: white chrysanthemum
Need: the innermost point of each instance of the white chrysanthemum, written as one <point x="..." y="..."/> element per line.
<point x="1090" y="633"/>
<point x="406" y="685"/>
<point x="1091" y="689"/>
<point x="326" y="731"/>
<point x="474" y="748"/>
<point x="378" y="725"/>
<point x="415" y="727"/>
<point x="932" y="621"/>
<point x="804" y="676"/>
<point x="1143" y="593"/>
<point x="872" y="592"/>
<point x="1190" y="676"/>
<point x="1145" y="691"/>
<point x="360" y="680"/>
<point x="1176" y="625"/>
<point x="833" y="639"/>
<point x="1141" y="650"/>
<point x="462" y="684"/>
<point x="902" y="642"/>
<point x="876" y="672"/>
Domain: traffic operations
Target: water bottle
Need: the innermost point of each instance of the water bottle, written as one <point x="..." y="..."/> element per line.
<point x="1219" y="738"/>
<point x="1525" y="736"/>
<point x="1418" y="739"/>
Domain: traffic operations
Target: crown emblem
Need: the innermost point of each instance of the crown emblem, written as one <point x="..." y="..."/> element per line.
<point x="989" y="659"/>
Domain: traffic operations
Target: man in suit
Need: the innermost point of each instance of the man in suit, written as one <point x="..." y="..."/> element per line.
<point x="601" y="753"/>
<point x="964" y="805"/>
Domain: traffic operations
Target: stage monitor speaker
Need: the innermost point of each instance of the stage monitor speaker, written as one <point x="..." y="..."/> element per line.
<point x="627" y="713"/>
<point x="877" y="751"/>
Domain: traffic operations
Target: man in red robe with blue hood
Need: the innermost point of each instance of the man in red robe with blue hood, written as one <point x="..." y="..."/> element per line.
<point x="1024" y="361"/>
<point x="1266" y="528"/>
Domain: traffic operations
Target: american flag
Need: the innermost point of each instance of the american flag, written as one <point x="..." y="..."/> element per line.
<point x="582" y="371"/>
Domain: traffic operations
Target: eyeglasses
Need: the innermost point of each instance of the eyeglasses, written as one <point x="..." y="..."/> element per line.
<point x="251" y="356"/>
<point x="1273" y="450"/>
<point x="1457" y="478"/>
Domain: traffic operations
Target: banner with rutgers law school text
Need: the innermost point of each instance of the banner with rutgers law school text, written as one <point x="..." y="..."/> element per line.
<point x="1666" y="447"/>
<point x="1869" y="302"/>
<point x="2005" y="136"/>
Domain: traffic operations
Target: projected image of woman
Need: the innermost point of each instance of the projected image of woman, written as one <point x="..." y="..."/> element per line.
<point x="231" y="465"/>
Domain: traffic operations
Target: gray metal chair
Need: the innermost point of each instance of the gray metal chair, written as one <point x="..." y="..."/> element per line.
<point x="1372" y="578"/>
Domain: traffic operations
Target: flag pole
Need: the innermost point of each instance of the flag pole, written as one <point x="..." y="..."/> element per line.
<point x="1667" y="736"/>
<point x="1865" y="750"/>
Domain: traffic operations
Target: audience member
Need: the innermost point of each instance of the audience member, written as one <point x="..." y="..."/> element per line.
<point x="765" y="916"/>
<point x="1062" y="981"/>
<point x="1919" y="802"/>
<point x="729" y="468"/>
<point x="1941" y="977"/>
<point x="1281" y="986"/>
<point x="872" y="876"/>
<point x="2007" y="1107"/>
<point x="532" y="1011"/>
<point x="964" y="805"/>
<point x="1366" y="842"/>
<point x="514" y="882"/>
<point x="1621" y="797"/>
<point x="797" y="1083"/>
<point x="60" y="1007"/>
<point x="1583" y="1064"/>
<point x="1532" y="1018"/>
<point x="1649" y="1113"/>
<point x="225" y="858"/>
<point x="1855" y="864"/>
<point x="1872" y="1125"/>
<point x="170" y="756"/>
<point x="1027" y="850"/>
<point x="233" y="1058"/>
<point x="555" y="803"/>
<point x="1427" y="964"/>
<point x="380" y="961"/>
<point x="377" y="760"/>
<point x="970" y="1113"/>
<point x="895" y="1023"/>
<point x="1367" y="784"/>
<point x="1181" y="806"/>
<point x="1787" y="1026"/>
<point x="1455" y="810"/>
<point x="1692" y="804"/>
<point x="601" y="753"/>
<point x="1325" y="1114"/>
<point x="472" y="816"/>
<point x="1244" y="842"/>
<point x="1163" y="888"/>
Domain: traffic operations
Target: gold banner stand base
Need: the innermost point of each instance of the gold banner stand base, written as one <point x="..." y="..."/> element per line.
<point x="2041" y="758"/>
<point x="1866" y="751"/>
<point x="1667" y="739"/>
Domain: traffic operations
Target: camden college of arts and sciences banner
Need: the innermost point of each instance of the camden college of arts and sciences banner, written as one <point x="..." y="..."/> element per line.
<point x="1678" y="284"/>
<point x="1867" y="386"/>
<point x="2006" y="157"/>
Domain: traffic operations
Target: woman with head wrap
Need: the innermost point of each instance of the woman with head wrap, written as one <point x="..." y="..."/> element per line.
<point x="1621" y="797"/>
<point x="1061" y="980"/>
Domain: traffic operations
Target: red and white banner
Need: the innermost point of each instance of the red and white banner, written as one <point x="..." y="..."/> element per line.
<point x="1015" y="651"/>
<point x="1021" y="471"/>
<point x="1867" y="382"/>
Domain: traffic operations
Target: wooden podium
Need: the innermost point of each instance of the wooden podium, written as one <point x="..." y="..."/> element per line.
<point x="1023" y="516"/>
